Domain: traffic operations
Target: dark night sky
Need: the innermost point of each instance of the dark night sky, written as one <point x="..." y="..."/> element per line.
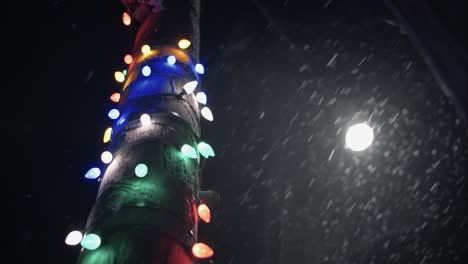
<point x="290" y="191"/>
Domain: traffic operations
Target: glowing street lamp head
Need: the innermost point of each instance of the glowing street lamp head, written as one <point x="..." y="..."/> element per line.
<point x="190" y="86"/>
<point x="145" y="119"/>
<point x="359" y="137"/>
<point x="73" y="238"/>
<point x="184" y="43"/>
<point x="145" y="49"/>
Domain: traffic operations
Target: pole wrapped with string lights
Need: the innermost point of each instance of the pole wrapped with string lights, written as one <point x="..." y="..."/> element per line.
<point x="149" y="202"/>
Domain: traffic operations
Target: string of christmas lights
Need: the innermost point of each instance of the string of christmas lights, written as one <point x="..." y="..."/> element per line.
<point x="148" y="63"/>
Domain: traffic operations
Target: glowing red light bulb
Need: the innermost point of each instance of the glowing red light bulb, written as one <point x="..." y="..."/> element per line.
<point x="126" y="19"/>
<point x="204" y="212"/>
<point x="115" y="97"/>
<point x="201" y="250"/>
<point x="128" y="59"/>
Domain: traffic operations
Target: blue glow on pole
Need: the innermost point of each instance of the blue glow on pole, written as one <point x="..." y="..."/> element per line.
<point x="199" y="68"/>
<point x="113" y="114"/>
<point x="93" y="173"/>
<point x="171" y="60"/>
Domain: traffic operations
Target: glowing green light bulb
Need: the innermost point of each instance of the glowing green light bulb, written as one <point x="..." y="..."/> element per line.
<point x="189" y="151"/>
<point x="91" y="241"/>
<point x="141" y="170"/>
<point x="205" y="150"/>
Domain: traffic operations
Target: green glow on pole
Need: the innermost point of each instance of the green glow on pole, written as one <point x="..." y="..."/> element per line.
<point x="205" y="150"/>
<point x="189" y="151"/>
<point x="91" y="241"/>
<point x="141" y="170"/>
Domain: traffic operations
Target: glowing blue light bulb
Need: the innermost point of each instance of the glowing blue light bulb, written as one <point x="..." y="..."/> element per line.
<point x="124" y="72"/>
<point x="199" y="68"/>
<point x="171" y="60"/>
<point x="93" y="173"/>
<point x="146" y="70"/>
<point x="113" y="114"/>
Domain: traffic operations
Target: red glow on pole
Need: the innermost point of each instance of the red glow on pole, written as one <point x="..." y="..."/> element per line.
<point x="201" y="250"/>
<point x="115" y="97"/>
<point x="126" y="19"/>
<point x="128" y="59"/>
<point x="204" y="212"/>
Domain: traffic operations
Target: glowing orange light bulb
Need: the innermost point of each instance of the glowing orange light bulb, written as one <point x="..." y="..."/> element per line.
<point x="204" y="212"/>
<point x="201" y="250"/>
<point x="126" y="19"/>
<point x="128" y="59"/>
<point x="115" y="97"/>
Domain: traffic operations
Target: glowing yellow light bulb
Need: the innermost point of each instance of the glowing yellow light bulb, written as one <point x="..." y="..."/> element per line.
<point x="119" y="76"/>
<point x="107" y="135"/>
<point x="184" y="43"/>
<point x="145" y="49"/>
